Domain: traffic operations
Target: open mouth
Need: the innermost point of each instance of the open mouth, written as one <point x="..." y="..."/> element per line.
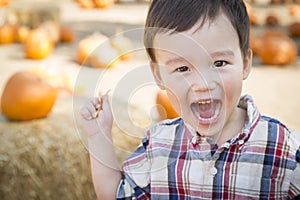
<point x="206" y="111"/>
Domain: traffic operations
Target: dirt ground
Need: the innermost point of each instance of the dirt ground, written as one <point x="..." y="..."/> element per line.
<point x="276" y="90"/>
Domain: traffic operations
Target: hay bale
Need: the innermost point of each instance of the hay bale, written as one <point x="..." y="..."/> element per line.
<point x="46" y="158"/>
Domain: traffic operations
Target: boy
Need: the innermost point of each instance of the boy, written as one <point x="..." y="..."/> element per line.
<point x="220" y="147"/>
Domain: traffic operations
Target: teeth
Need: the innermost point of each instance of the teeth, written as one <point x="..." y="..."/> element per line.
<point x="205" y="102"/>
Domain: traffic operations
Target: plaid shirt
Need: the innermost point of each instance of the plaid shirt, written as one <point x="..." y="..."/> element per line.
<point x="173" y="162"/>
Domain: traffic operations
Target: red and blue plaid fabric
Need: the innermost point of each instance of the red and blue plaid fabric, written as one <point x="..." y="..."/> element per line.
<point x="261" y="162"/>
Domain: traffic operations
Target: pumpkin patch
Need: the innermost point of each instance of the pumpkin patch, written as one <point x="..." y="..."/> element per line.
<point x="44" y="153"/>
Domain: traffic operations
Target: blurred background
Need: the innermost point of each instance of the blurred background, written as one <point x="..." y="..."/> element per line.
<point x="57" y="54"/>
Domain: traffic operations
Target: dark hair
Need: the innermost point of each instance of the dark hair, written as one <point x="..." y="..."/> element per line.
<point x="181" y="15"/>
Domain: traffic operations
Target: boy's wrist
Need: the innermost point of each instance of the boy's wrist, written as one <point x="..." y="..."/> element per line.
<point x="102" y="149"/>
<point x="101" y="136"/>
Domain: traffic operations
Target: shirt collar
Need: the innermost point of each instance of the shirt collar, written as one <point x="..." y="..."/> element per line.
<point x="253" y="116"/>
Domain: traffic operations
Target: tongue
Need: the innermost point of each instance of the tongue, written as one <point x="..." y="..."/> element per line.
<point x="206" y="110"/>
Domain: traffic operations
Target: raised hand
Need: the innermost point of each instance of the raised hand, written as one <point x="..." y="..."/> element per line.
<point x="97" y="116"/>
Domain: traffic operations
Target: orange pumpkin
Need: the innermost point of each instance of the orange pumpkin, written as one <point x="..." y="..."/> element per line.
<point x="294" y="10"/>
<point x="255" y="44"/>
<point x="22" y="33"/>
<point x="7" y="34"/>
<point x="103" y="3"/>
<point x="277" y="49"/>
<point x="294" y="29"/>
<point x="253" y="18"/>
<point x="4" y="2"/>
<point x="26" y="96"/>
<point x="66" y="34"/>
<point x="86" y="4"/>
<point x="38" y="44"/>
<point x="272" y="20"/>
<point x="269" y="33"/>
<point x="164" y="108"/>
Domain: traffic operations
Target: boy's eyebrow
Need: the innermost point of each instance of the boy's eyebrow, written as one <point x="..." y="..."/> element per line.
<point x="174" y="60"/>
<point x="222" y="53"/>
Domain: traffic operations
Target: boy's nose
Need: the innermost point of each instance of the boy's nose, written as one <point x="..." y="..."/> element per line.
<point x="203" y="82"/>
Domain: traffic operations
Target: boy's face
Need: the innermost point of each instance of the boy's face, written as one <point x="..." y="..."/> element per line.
<point x="202" y="71"/>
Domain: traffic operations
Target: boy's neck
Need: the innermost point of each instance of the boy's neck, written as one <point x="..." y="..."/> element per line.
<point x="232" y="128"/>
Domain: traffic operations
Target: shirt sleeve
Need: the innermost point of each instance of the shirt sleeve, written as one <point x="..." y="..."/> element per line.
<point x="294" y="191"/>
<point x="135" y="183"/>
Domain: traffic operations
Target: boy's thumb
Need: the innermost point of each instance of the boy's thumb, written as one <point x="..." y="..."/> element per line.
<point x="105" y="102"/>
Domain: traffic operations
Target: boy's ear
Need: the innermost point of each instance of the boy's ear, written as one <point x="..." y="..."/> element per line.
<point x="247" y="64"/>
<point x="156" y="74"/>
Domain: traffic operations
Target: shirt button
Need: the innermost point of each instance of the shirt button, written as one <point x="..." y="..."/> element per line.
<point x="213" y="171"/>
<point x="241" y="142"/>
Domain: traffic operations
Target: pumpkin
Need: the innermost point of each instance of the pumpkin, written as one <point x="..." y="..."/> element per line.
<point x="53" y="30"/>
<point x="269" y="33"/>
<point x="38" y="44"/>
<point x="103" y="3"/>
<point x="104" y="56"/>
<point x="87" y="45"/>
<point x="272" y="20"/>
<point x="294" y="29"/>
<point x="4" y="2"/>
<point x="294" y="10"/>
<point x="277" y="49"/>
<point x="253" y="18"/>
<point x="164" y="108"/>
<point x="123" y="45"/>
<point x="22" y="33"/>
<point x="7" y="34"/>
<point x="96" y="50"/>
<point x="66" y="34"/>
<point x="255" y="43"/>
<point x="26" y="96"/>
<point x="86" y="4"/>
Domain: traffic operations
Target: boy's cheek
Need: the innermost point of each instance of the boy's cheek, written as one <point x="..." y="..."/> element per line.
<point x="232" y="90"/>
<point x="174" y="99"/>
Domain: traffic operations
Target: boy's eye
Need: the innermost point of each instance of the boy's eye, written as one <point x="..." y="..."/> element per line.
<point x="182" y="69"/>
<point x="220" y="63"/>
